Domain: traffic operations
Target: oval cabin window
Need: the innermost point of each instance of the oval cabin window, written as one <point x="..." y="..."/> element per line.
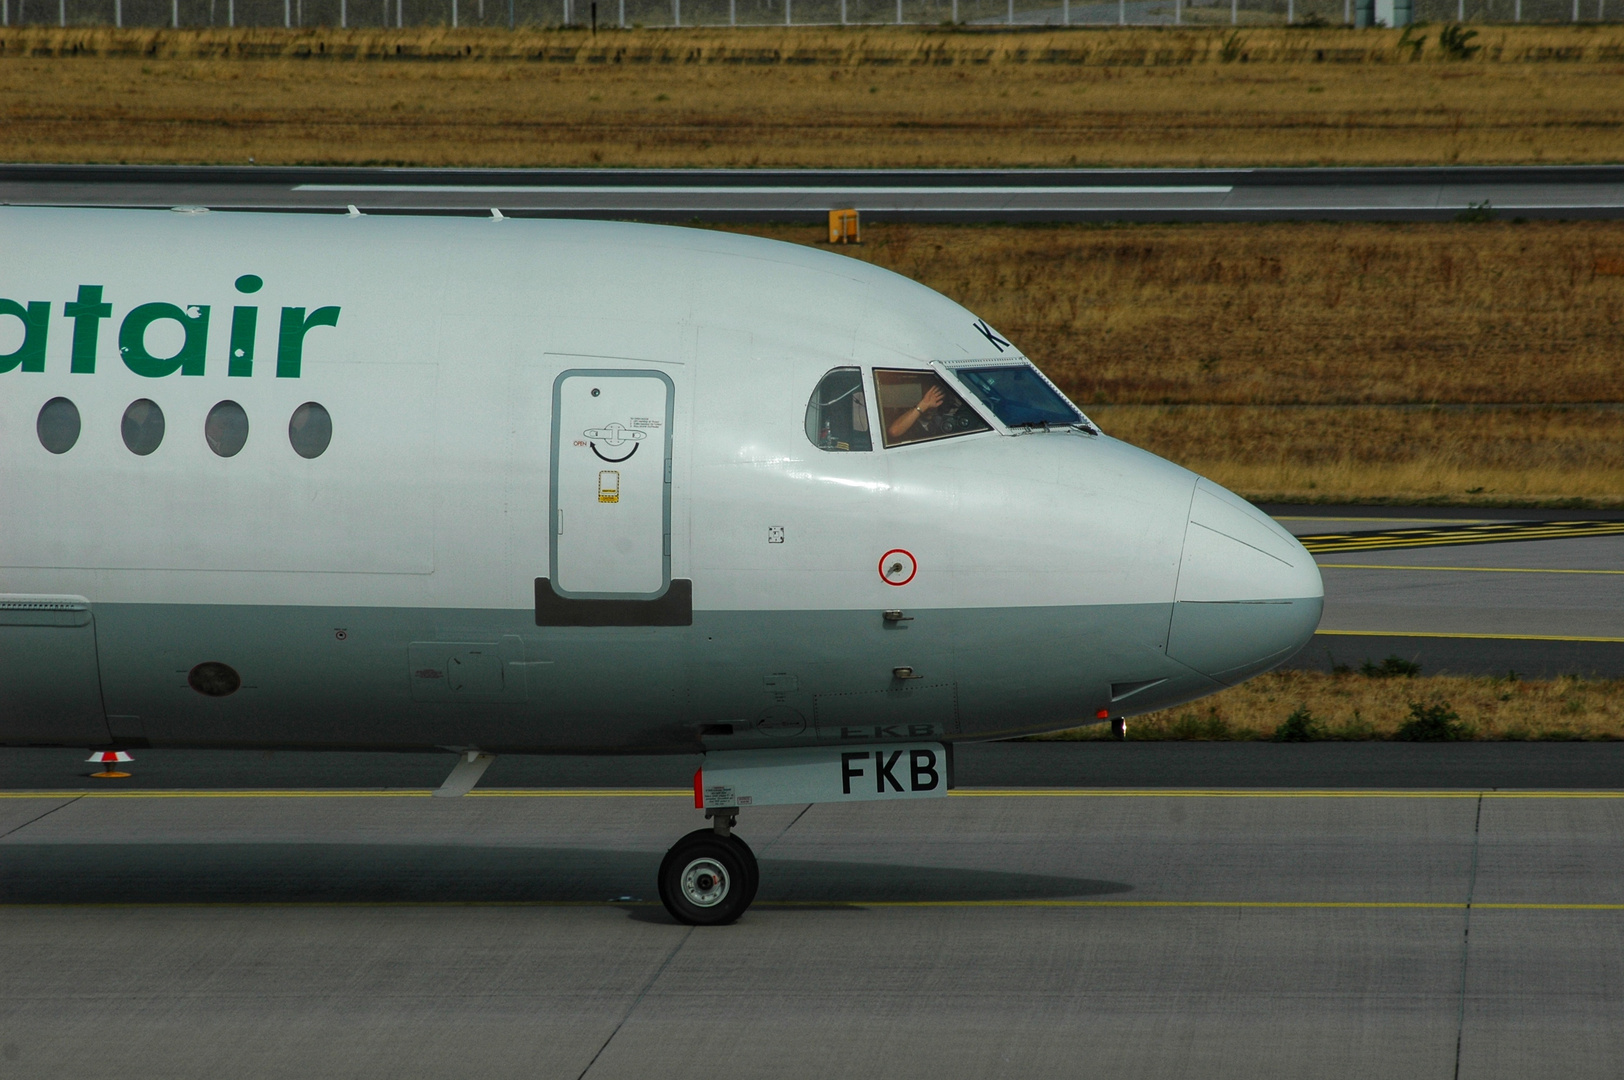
<point x="143" y="426"/>
<point x="310" y="430"/>
<point x="226" y="429"/>
<point x="58" y="425"/>
<point x="837" y="415"/>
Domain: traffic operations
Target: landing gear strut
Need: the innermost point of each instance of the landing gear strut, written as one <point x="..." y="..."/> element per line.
<point x="709" y="876"/>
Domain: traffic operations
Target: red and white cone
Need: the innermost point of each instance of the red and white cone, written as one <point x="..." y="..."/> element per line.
<point x="109" y="758"/>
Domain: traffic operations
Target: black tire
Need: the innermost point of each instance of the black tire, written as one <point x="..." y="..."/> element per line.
<point x="705" y="880"/>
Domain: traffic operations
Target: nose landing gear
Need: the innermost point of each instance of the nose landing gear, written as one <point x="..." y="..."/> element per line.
<point x="709" y="877"/>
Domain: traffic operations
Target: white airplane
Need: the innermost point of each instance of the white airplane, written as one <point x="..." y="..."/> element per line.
<point x="506" y="486"/>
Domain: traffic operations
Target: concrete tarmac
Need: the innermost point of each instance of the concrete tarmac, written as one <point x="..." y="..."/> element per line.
<point x="806" y="195"/>
<point x="1450" y="934"/>
<point x="1541" y="608"/>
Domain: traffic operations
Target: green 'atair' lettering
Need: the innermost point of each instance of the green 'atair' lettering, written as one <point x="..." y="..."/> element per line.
<point x="188" y="360"/>
<point x="89" y="309"/>
<point x="290" y="344"/>
<point x="87" y="312"/>
<point x="244" y="321"/>
<point x="36" y="319"/>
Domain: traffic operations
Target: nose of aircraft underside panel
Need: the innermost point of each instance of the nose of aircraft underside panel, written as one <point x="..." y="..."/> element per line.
<point x="1249" y="595"/>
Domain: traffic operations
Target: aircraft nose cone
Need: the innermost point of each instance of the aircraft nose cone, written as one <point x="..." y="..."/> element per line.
<point x="1249" y="595"/>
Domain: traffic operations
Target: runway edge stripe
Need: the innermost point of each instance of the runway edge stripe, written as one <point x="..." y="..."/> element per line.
<point x="1453" y="536"/>
<point x="1471" y="637"/>
<point x="1463" y="569"/>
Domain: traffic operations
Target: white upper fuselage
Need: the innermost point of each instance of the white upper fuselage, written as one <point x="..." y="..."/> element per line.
<point x="439" y="376"/>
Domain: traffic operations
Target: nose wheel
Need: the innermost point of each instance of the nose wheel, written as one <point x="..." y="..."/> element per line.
<point x="709" y="877"/>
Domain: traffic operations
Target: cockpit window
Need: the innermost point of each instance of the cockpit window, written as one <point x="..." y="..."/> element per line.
<point x="917" y="406"/>
<point x="1018" y="395"/>
<point x="837" y="415"/>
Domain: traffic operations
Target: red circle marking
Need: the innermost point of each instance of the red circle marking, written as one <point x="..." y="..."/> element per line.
<point x="912" y="561"/>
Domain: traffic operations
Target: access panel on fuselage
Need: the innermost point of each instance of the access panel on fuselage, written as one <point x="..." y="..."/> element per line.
<point x="611" y="484"/>
<point x="50" y="686"/>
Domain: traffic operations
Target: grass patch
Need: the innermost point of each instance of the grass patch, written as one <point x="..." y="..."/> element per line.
<point x="1390" y="668"/>
<point x="1304" y="706"/>
<point x="804" y="97"/>
<point x="1300" y="726"/>
<point x="1433" y="722"/>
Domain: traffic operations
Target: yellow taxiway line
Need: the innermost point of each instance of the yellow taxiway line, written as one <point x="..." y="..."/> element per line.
<point x="356" y="793"/>
<point x="1377" y="905"/>
<point x="1455" y="535"/>
<point x="1266" y="793"/>
<point x="1366" y="517"/>
<point x="1475" y="637"/>
<point x="963" y="793"/>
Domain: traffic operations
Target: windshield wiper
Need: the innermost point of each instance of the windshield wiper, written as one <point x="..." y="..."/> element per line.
<point x="1083" y="426"/>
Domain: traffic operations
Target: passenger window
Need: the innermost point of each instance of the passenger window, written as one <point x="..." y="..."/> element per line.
<point x="310" y="430"/>
<point x="58" y="425"/>
<point x="225" y="429"/>
<point x="143" y="426"/>
<point x="837" y="415"/>
<point x="917" y="406"/>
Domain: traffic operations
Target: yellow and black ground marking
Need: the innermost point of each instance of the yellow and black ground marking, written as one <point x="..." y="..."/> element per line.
<point x="1505" y="532"/>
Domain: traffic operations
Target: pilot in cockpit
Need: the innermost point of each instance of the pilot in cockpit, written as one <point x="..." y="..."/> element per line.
<point x="905" y="420"/>
<point x="916" y="406"/>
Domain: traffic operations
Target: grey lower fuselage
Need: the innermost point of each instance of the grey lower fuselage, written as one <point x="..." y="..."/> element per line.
<point x="348" y="677"/>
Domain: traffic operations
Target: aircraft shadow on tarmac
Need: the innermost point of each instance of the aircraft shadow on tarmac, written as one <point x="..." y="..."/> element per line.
<point x="419" y="873"/>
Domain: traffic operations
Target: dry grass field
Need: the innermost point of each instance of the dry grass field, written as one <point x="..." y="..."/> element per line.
<point x="861" y="97"/>
<point x="1314" y="313"/>
<point x="1355" y="706"/>
<point x="1317" y="362"/>
<point x="1541" y="457"/>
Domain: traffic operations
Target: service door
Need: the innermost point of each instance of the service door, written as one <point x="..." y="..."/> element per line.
<point x="50" y="688"/>
<point x="611" y="484"/>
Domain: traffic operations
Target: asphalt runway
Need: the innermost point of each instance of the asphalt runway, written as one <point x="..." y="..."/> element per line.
<point x="806" y="195"/>
<point x="1445" y="934"/>
<point x="1477" y="599"/>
